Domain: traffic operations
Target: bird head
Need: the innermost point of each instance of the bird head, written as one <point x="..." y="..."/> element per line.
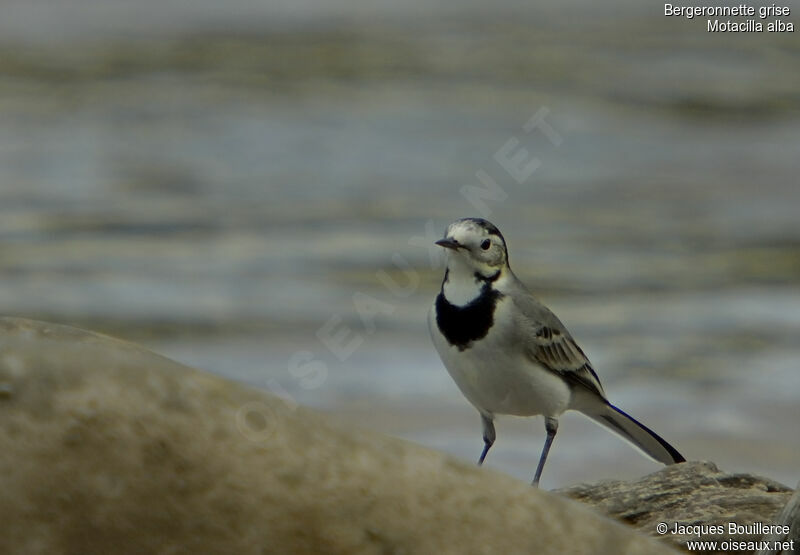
<point x="476" y="244"/>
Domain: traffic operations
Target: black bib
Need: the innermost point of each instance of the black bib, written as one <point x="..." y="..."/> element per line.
<point x="461" y="325"/>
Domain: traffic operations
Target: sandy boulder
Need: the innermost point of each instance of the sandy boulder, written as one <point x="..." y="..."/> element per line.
<point x="106" y="447"/>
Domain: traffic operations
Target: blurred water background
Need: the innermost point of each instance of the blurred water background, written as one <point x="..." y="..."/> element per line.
<point x="218" y="180"/>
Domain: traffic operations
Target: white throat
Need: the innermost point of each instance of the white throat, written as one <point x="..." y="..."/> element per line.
<point x="461" y="286"/>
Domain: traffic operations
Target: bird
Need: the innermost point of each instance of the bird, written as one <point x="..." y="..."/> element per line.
<point x="509" y="354"/>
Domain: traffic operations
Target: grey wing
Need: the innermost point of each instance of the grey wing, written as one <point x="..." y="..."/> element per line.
<point x="548" y="342"/>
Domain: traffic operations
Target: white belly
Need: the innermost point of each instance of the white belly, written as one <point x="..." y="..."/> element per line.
<point x="497" y="377"/>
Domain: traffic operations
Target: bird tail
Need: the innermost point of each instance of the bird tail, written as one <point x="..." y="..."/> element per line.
<point x="642" y="437"/>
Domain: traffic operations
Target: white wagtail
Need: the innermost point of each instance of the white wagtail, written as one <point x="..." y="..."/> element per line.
<point x="509" y="354"/>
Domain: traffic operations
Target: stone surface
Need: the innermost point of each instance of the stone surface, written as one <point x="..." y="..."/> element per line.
<point x="789" y="516"/>
<point x="106" y="447"/>
<point x="693" y="493"/>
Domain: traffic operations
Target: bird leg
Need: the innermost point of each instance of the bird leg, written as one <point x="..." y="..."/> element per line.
<point x="488" y="436"/>
<point x="551" y="425"/>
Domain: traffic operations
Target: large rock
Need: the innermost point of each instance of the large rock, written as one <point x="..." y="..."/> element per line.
<point x="693" y="494"/>
<point x="108" y="448"/>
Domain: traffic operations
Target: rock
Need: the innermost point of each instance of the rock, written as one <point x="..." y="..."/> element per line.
<point x="788" y="517"/>
<point x="106" y="447"/>
<point x="692" y="493"/>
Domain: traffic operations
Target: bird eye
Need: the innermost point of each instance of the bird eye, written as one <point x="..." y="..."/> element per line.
<point x="486" y="244"/>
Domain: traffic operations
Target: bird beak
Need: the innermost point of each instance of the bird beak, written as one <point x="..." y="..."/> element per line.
<point x="448" y="243"/>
